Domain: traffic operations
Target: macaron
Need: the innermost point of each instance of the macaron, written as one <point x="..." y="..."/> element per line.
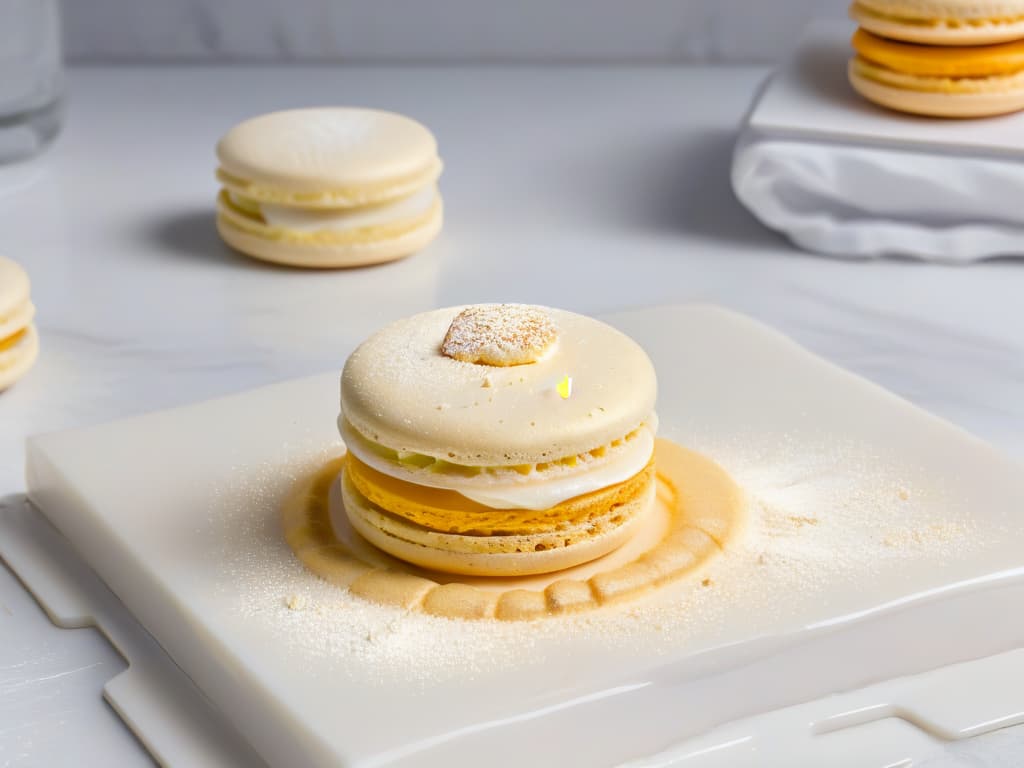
<point x="329" y="187"/>
<point x="942" y="22"/>
<point x="977" y="81"/>
<point x="19" y="342"/>
<point x="498" y="439"/>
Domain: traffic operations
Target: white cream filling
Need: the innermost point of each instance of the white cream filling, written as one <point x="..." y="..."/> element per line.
<point x="531" y="491"/>
<point x="347" y="219"/>
<point x="17" y="320"/>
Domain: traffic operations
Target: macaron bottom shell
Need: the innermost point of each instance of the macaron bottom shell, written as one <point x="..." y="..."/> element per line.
<point x="918" y="96"/>
<point x="298" y="249"/>
<point x="495" y="556"/>
<point x="698" y="511"/>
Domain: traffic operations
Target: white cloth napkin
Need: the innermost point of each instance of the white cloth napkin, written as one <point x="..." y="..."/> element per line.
<point x="842" y="177"/>
<point x="850" y="200"/>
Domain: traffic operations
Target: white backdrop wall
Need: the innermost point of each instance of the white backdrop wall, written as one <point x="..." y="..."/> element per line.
<point x="437" y="30"/>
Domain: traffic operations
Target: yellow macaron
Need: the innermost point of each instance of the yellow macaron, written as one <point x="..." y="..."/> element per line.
<point x="973" y="81"/>
<point x="498" y="440"/>
<point x="329" y="187"/>
<point x="942" y="22"/>
<point x="19" y="342"/>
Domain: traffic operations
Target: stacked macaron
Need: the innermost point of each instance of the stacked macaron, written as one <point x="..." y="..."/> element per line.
<point x="19" y="344"/>
<point x="498" y="440"/>
<point x="941" y="58"/>
<point x="329" y="187"/>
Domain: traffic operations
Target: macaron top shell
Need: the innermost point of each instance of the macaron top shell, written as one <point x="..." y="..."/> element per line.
<point x="321" y="149"/>
<point x="400" y="391"/>
<point x="947" y="9"/>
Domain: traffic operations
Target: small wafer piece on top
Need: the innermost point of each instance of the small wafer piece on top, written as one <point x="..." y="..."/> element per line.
<point x="500" y="335"/>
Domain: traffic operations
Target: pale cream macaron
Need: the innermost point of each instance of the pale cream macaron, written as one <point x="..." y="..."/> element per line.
<point x="973" y="81"/>
<point x="19" y="342"/>
<point x="498" y="440"/>
<point x="329" y="187"/>
<point x="942" y="22"/>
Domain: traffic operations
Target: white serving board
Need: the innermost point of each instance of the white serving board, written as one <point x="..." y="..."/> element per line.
<point x="897" y="722"/>
<point x="158" y="702"/>
<point x="811" y="98"/>
<point x="176" y="512"/>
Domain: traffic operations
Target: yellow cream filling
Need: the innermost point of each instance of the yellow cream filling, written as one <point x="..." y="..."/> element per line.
<point x="451" y="512"/>
<point x="941" y="61"/>
<point x="932" y="84"/>
<point x="248" y="220"/>
<point x="11" y="341"/>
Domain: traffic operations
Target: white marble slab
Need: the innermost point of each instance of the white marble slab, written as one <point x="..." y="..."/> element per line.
<point x="593" y="189"/>
<point x="185" y="532"/>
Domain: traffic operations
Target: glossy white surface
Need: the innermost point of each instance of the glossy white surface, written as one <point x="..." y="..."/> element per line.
<point x="589" y="203"/>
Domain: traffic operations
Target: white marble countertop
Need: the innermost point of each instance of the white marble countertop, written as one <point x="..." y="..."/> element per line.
<point x="591" y="189"/>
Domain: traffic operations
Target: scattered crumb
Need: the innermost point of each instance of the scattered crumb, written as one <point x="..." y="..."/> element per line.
<point x="706" y="581"/>
<point x="799" y="521"/>
<point x="903" y="494"/>
<point x="296" y="602"/>
<point x="488" y="382"/>
<point x="921" y="536"/>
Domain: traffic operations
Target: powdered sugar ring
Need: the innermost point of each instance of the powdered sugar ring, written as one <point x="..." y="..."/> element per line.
<point x="705" y="512"/>
<point x="500" y="335"/>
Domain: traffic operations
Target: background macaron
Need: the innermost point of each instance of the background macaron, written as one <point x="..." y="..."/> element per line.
<point x="329" y="187"/>
<point x="940" y="58"/>
<point x="19" y="342"/>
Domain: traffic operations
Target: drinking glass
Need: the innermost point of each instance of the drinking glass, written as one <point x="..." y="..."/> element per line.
<point x="31" y="76"/>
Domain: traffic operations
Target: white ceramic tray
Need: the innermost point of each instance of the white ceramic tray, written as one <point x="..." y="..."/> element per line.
<point x="882" y="543"/>
<point x="810" y="98"/>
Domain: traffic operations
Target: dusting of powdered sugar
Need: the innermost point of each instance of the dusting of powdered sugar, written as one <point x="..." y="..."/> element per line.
<point x="824" y="521"/>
